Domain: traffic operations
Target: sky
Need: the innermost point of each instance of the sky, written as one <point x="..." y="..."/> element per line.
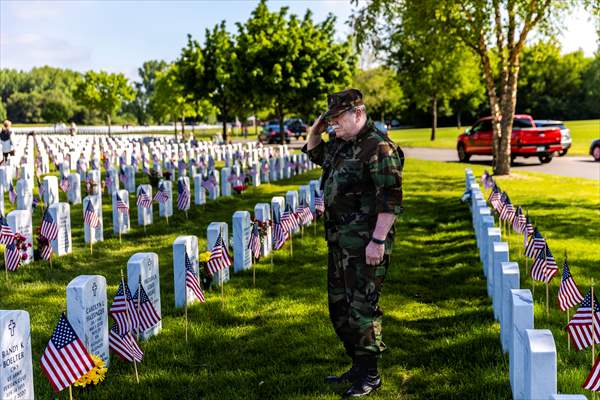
<point x="118" y="36"/>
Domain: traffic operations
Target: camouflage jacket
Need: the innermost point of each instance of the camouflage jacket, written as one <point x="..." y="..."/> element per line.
<point x="361" y="178"/>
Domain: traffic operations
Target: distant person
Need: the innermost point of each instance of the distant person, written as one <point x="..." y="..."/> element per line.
<point x="73" y="129"/>
<point x="7" y="143"/>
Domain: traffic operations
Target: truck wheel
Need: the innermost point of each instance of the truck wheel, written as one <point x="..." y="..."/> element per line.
<point x="546" y="158"/>
<point x="463" y="156"/>
<point x="596" y="153"/>
<point x="563" y="153"/>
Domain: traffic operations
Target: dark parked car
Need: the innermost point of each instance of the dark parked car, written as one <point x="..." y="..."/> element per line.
<point x="595" y="149"/>
<point x="271" y="133"/>
<point x="565" y="132"/>
<point x="297" y="127"/>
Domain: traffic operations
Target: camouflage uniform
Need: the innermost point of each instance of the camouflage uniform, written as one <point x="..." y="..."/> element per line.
<point x="362" y="177"/>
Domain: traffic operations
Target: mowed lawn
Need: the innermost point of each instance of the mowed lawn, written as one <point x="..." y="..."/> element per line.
<point x="275" y="341"/>
<point x="583" y="133"/>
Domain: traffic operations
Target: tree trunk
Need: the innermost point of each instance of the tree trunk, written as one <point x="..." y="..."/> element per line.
<point x="382" y="117"/>
<point x="108" y="122"/>
<point x="508" y="105"/>
<point x="175" y="129"/>
<point x="183" y="128"/>
<point x="433" y="117"/>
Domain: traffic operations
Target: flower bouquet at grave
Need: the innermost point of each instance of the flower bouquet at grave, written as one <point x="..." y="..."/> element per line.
<point x="205" y="276"/>
<point x="96" y="374"/>
<point x="21" y="246"/>
<point x="90" y="184"/>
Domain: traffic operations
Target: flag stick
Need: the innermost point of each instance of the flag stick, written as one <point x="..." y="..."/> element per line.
<point x="137" y="378"/>
<point x="91" y="244"/>
<point x="50" y="259"/>
<point x="70" y="392"/>
<point x="186" y="317"/>
<point x="568" y="340"/>
<point x="545" y="264"/>
<point x="302" y="232"/>
<point x="222" y="291"/>
<point x="291" y="245"/>
<point x="547" y="301"/>
<point x="119" y="234"/>
<point x="315" y="227"/>
<point x="253" y="273"/>
<point x="6" y="271"/>
<point x="593" y="328"/>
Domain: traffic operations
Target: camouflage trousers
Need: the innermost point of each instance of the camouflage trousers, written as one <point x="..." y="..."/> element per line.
<point x="353" y="289"/>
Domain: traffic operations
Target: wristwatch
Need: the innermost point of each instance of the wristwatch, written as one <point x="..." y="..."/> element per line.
<point x="377" y="241"/>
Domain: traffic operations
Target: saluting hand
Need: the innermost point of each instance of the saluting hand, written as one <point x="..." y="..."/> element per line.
<point x="374" y="253"/>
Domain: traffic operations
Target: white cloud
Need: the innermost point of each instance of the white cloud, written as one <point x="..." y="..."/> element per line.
<point x="24" y="51"/>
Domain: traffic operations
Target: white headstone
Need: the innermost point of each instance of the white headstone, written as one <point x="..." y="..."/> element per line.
<point x="181" y="246"/>
<point x="50" y="184"/>
<point x="74" y="192"/>
<point x="540" y="364"/>
<point x="509" y="280"/>
<point x="521" y="317"/>
<point x="493" y="237"/>
<point x="242" y="257"/>
<point x="277" y="207"/>
<point x="212" y="233"/>
<point x="130" y="174"/>
<point x="24" y="195"/>
<point x="96" y="234"/>
<point x="314" y="188"/>
<point x="144" y="266"/>
<point x="291" y="201"/>
<point x="121" y="222"/>
<point x="16" y="372"/>
<point x="20" y="222"/>
<point x="500" y="256"/>
<point x="166" y="208"/>
<point x="487" y="221"/>
<point x="262" y="213"/>
<point x="568" y="397"/>
<point x="61" y="214"/>
<point x="113" y="181"/>
<point x="94" y="176"/>
<point x="199" y="191"/>
<point x="225" y="184"/>
<point x="5" y="176"/>
<point x="87" y="310"/>
<point x="145" y="213"/>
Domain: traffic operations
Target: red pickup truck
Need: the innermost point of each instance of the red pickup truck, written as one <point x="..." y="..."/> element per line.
<point x="526" y="140"/>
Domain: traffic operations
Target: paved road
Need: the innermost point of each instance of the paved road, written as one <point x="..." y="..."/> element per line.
<point x="578" y="167"/>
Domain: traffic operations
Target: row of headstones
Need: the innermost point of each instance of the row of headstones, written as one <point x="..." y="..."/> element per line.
<point x="532" y="352"/>
<point x="87" y="305"/>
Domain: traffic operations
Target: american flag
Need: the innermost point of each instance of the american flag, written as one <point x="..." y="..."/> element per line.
<point x="108" y="182"/>
<point x="304" y="214"/>
<point x="494" y="198"/>
<point x="123" y="310"/>
<point x="568" y="293"/>
<point x="12" y="195"/>
<point x="191" y="280"/>
<point x="145" y="309"/>
<point x="280" y="235"/>
<point x="64" y="184"/>
<point x="12" y="256"/>
<point x="122" y="176"/>
<point x="519" y="220"/>
<point x="65" y="359"/>
<point x="319" y="204"/>
<point x="507" y="210"/>
<point x="6" y="234"/>
<point x="535" y="245"/>
<point x="288" y="220"/>
<point x="592" y="382"/>
<point x="46" y="251"/>
<point x="219" y="256"/>
<point x="528" y="230"/>
<point x="122" y="206"/>
<point x="580" y="326"/>
<point x="91" y="217"/>
<point x="49" y="227"/>
<point x="124" y="345"/>
<point x="544" y="267"/>
<point x="143" y="199"/>
<point x="254" y="242"/>
<point x="183" y="195"/>
<point x="161" y="194"/>
<point x="209" y="184"/>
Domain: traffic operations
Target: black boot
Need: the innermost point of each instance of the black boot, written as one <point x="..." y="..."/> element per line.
<point x="369" y="379"/>
<point x="350" y="376"/>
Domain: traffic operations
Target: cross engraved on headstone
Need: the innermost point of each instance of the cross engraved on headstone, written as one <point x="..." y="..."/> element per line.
<point x="11" y="327"/>
<point x="94" y="288"/>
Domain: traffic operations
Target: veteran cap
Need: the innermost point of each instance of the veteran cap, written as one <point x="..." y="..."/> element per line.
<point x="340" y="102"/>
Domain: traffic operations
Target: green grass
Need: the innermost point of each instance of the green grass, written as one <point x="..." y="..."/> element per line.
<point x="582" y="132"/>
<point x="275" y="341"/>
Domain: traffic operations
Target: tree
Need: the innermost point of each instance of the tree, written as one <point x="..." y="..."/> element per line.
<point x="2" y="111"/>
<point x="169" y="101"/>
<point x="293" y="63"/>
<point x="591" y="87"/>
<point x="381" y="91"/>
<point x="104" y="92"/>
<point x="144" y="89"/>
<point x="496" y="30"/>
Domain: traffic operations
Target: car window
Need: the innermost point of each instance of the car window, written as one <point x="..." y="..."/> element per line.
<point x="477" y="127"/>
<point x="486" y="126"/>
<point x="522" y="123"/>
